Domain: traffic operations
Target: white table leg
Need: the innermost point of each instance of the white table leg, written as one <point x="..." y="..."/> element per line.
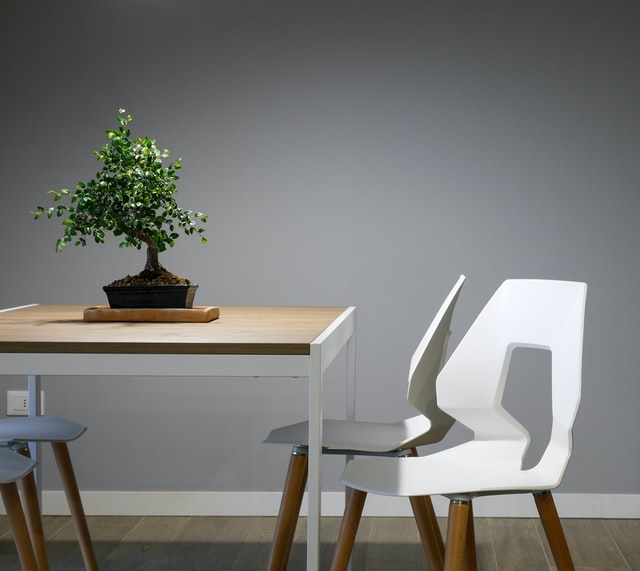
<point x="315" y="453"/>
<point x="350" y="412"/>
<point x="35" y="409"/>
<point x="323" y="350"/>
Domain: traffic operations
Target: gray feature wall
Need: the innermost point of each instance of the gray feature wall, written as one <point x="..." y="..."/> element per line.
<point x="348" y="153"/>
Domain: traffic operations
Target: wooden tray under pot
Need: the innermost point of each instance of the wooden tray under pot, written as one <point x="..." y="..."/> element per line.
<point x="199" y="314"/>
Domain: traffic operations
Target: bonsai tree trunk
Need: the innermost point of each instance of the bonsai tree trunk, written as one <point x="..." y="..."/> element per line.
<point x="152" y="264"/>
<point x="153" y="273"/>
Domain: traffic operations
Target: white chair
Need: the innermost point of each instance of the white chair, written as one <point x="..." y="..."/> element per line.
<point x="352" y="437"/>
<point x="13" y="468"/>
<point x="535" y="314"/>
<point x="16" y="433"/>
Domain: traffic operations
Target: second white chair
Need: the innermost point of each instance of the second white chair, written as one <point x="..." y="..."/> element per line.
<point x="543" y="315"/>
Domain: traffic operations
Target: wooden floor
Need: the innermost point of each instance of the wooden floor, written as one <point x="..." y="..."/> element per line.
<point x="384" y="544"/>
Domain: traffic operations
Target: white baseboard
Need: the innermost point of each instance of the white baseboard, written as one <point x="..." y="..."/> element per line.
<point x="267" y="504"/>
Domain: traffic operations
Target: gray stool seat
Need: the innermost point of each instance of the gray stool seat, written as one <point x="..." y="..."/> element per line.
<point x="14" y="467"/>
<point x="39" y="429"/>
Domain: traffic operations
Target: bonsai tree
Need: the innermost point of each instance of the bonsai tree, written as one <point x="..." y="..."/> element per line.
<point x="133" y="198"/>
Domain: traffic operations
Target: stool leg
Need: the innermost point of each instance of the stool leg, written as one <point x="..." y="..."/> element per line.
<point x="289" y="511"/>
<point x="348" y="529"/>
<point x="553" y="530"/>
<point x="11" y="499"/>
<point x="456" y="535"/>
<point x="65" y="467"/>
<point x="34" y="520"/>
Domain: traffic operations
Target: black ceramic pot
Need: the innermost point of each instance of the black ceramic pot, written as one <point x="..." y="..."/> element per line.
<point x="158" y="297"/>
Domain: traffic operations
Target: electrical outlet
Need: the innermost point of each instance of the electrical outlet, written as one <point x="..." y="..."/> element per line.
<point x="18" y="403"/>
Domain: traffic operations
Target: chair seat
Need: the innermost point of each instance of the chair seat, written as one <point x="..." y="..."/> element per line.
<point x="353" y="435"/>
<point x="14" y="466"/>
<point x="446" y="473"/>
<point x="39" y="429"/>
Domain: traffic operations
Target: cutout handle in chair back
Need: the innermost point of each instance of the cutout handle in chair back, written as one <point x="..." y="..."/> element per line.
<point x="426" y="363"/>
<point x="538" y="314"/>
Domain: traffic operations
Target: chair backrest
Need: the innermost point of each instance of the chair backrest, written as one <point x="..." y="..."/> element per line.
<point x="426" y="363"/>
<point x="537" y="314"/>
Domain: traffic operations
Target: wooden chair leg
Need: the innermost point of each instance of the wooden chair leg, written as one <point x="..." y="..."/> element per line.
<point x="470" y="557"/>
<point x="428" y="533"/>
<point x="289" y="512"/>
<point x="65" y="467"/>
<point x="431" y="513"/>
<point x="553" y="530"/>
<point x="348" y="529"/>
<point x="34" y="520"/>
<point x="456" y="535"/>
<point x="436" y="545"/>
<point x="11" y="499"/>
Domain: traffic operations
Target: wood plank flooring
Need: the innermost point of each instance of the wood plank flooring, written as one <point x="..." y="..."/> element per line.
<point x="383" y="544"/>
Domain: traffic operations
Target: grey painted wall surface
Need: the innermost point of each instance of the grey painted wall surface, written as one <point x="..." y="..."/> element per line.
<point x="349" y="153"/>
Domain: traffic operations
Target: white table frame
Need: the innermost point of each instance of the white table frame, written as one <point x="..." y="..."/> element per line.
<point x="323" y="350"/>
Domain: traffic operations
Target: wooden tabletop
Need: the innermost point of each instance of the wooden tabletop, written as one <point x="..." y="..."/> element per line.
<point x="238" y="331"/>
